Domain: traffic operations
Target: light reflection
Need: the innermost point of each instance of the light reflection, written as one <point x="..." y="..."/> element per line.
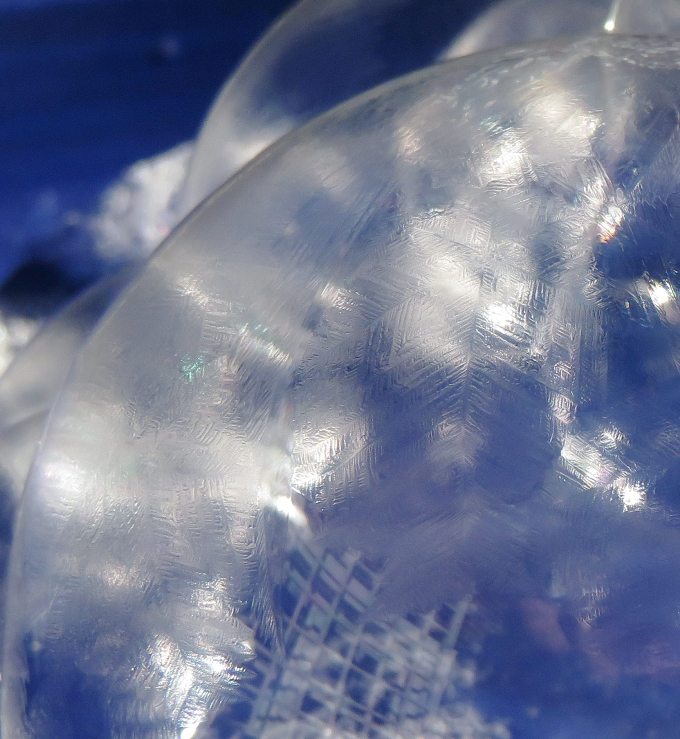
<point x="261" y="338"/>
<point x="179" y="682"/>
<point x="210" y="598"/>
<point x="288" y="510"/>
<point x="190" y="731"/>
<point x="597" y="470"/>
<point x="192" y="288"/>
<point x="663" y="296"/>
<point x="609" y="223"/>
<point x="563" y="407"/>
<point x="660" y="293"/>
<point x="586" y="462"/>
<point x="610" y="23"/>
<point x="572" y="126"/>
<point x="118" y="577"/>
<point x="505" y="159"/>
<point x="594" y="596"/>
<point x="500" y="316"/>
<point x="632" y="494"/>
<point x="275" y="491"/>
<point x="410" y="142"/>
<point x="216" y="663"/>
<point x="61" y="473"/>
<point x="612" y="437"/>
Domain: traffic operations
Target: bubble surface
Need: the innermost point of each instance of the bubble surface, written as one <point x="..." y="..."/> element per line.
<point x="384" y="440"/>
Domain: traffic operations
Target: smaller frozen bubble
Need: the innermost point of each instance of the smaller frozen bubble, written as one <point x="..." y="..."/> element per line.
<point x="324" y="51"/>
<point x="28" y="390"/>
<point x="516" y="21"/>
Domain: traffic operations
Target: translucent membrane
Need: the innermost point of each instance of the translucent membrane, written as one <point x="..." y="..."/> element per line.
<point x="324" y="51"/>
<point x="385" y="440"/>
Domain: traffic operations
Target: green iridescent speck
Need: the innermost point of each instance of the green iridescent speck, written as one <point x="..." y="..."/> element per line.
<point x="192" y="367"/>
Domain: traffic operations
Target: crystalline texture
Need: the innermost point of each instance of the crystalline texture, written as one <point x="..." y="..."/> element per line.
<point x="385" y="439"/>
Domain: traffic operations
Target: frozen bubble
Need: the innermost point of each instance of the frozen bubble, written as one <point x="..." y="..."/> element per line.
<point x="324" y="51"/>
<point x="386" y="438"/>
<point x="30" y="386"/>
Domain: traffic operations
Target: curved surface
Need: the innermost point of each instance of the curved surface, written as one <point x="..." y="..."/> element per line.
<point x="385" y="438"/>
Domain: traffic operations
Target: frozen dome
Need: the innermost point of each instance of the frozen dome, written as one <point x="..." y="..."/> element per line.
<point x="324" y="51"/>
<point x="384" y="441"/>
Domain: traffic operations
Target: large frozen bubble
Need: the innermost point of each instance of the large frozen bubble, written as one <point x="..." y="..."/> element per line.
<point x="323" y="51"/>
<point x="385" y="440"/>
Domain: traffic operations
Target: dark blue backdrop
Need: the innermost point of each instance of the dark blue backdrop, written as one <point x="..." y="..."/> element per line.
<point x="87" y="88"/>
